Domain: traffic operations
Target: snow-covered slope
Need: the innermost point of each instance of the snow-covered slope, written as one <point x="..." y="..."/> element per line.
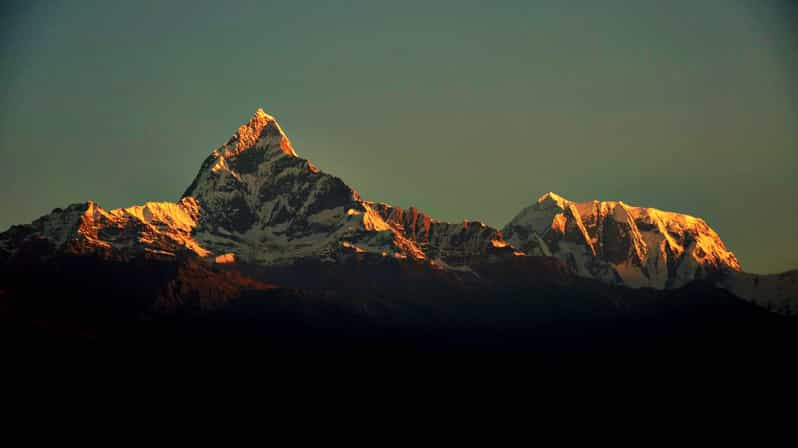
<point x="255" y="200"/>
<point x="265" y="204"/>
<point x="621" y="244"/>
<point x="159" y="228"/>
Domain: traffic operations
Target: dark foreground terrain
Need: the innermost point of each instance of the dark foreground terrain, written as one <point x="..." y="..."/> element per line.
<point x="527" y="305"/>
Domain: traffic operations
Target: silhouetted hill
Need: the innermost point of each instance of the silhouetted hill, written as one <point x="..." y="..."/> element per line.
<point x="148" y="299"/>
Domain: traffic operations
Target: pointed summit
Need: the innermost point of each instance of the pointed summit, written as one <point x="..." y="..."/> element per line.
<point x="260" y="113"/>
<point x="257" y="143"/>
<point x="552" y="198"/>
<point x="262" y="130"/>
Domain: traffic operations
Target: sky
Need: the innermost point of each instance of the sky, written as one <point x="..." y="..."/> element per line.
<point x="464" y="109"/>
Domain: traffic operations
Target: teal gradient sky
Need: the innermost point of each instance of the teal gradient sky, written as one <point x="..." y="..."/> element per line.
<point x="464" y="109"/>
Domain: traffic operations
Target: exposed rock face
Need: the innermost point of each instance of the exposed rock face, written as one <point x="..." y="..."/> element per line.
<point x="158" y="228"/>
<point x="256" y="201"/>
<point x="621" y="244"/>
<point x="453" y="244"/>
<point x="267" y="205"/>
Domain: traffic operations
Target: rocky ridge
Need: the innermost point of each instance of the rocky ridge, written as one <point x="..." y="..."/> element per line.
<point x="621" y="244"/>
<point x="256" y="201"/>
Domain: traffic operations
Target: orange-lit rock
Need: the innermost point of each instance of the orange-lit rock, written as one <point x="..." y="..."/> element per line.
<point x="225" y="258"/>
<point x="619" y="243"/>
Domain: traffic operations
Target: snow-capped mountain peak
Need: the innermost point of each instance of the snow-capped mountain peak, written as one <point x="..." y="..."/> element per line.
<point x="551" y="198"/>
<point x="619" y="243"/>
<point x="256" y="201"/>
<point x="263" y="202"/>
<point x="261" y="130"/>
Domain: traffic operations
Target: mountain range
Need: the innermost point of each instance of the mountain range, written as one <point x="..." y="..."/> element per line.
<point x="259" y="215"/>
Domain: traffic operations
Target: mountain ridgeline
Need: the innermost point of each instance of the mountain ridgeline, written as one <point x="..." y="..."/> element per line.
<point x="256" y="201"/>
<point x="257" y="210"/>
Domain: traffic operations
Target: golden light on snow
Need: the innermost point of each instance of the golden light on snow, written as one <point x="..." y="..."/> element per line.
<point x="248" y="135"/>
<point x="167" y="226"/>
<point x="225" y="258"/>
<point x="498" y="243"/>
